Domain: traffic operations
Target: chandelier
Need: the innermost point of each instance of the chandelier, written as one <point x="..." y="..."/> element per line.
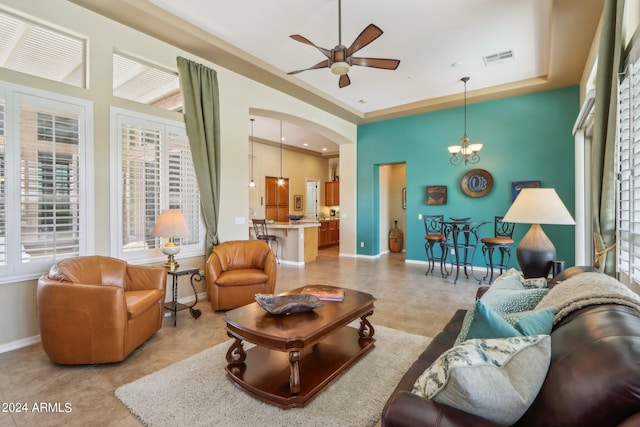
<point x="467" y="152"/>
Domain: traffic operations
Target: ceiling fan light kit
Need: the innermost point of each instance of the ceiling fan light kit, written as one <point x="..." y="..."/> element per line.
<point x="340" y="68"/>
<point x="465" y="152"/>
<point x="340" y="59"/>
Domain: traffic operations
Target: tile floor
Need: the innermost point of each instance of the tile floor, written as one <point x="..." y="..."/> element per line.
<point x="407" y="299"/>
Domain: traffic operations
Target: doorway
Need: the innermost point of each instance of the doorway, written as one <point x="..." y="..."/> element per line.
<point x="392" y="209"/>
<point x="313" y="199"/>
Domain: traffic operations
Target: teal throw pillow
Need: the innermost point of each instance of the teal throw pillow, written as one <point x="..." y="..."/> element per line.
<point x="486" y="323"/>
<point x="538" y="322"/>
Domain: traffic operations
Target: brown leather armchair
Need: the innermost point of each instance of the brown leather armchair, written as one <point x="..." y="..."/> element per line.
<point x="96" y="309"/>
<point x="237" y="270"/>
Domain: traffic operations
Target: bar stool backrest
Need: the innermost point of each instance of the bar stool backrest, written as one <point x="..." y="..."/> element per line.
<point x="433" y="224"/>
<point x="503" y="229"/>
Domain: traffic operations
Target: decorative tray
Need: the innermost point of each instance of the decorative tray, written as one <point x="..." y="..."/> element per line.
<point x="287" y="304"/>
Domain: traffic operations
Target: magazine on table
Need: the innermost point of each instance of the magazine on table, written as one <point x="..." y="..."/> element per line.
<point x="326" y="293"/>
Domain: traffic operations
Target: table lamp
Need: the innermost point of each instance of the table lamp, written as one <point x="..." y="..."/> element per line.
<point x="536" y="206"/>
<point x="170" y="223"/>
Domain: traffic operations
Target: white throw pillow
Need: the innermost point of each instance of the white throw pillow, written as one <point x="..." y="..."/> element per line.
<point x="496" y="379"/>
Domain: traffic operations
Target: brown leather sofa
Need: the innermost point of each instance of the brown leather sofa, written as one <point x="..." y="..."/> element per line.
<point x="237" y="270"/>
<point x="593" y="379"/>
<point x="96" y="309"/>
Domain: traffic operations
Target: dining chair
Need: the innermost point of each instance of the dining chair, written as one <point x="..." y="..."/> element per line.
<point x="434" y="234"/>
<point x="260" y="229"/>
<point x="503" y="240"/>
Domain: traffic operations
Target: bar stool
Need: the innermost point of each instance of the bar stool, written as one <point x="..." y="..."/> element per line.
<point x="502" y="240"/>
<point x="434" y="235"/>
<point x="260" y="228"/>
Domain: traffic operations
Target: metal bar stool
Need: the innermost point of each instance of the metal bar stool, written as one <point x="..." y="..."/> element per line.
<point x="434" y="235"/>
<point x="260" y="228"/>
<point x="502" y="240"/>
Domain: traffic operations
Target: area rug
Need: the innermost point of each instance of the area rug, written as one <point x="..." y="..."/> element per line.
<point x="196" y="392"/>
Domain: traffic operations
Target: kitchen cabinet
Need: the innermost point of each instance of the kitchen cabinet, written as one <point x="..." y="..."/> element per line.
<point x="329" y="233"/>
<point x="332" y="193"/>
<point x="277" y="199"/>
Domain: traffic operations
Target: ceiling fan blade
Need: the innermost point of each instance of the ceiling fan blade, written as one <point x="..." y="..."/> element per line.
<point x="367" y="35"/>
<point x="323" y="64"/>
<point x="301" y="39"/>
<point x="344" y="81"/>
<point x="387" y="64"/>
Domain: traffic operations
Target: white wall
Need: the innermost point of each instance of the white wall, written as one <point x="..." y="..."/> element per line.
<point x="238" y="95"/>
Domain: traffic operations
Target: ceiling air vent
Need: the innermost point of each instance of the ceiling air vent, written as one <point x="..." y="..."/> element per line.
<point x="498" y="58"/>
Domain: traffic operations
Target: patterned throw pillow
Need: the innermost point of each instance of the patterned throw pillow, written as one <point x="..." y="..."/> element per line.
<point x="496" y="379"/>
<point x="513" y="301"/>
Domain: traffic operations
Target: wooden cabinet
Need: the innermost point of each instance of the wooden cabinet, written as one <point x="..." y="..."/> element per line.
<point x="328" y="233"/>
<point x="332" y="193"/>
<point x="277" y="199"/>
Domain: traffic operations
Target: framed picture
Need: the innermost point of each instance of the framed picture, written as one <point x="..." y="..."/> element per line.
<point x="436" y="194"/>
<point x="404" y="198"/>
<point x="297" y="202"/>
<point x="516" y="186"/>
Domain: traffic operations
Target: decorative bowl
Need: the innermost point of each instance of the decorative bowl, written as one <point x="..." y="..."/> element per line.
<point x="287" y="304"/>
<point x="293" y="217"/>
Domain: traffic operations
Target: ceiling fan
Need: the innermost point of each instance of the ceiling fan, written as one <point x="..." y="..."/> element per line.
<point x="340" y="58"/>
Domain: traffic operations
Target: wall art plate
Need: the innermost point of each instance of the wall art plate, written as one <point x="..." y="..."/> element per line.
<point x="476" y="183"/>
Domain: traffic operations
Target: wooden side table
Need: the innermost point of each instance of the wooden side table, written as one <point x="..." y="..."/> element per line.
<point x="174" y="306"/>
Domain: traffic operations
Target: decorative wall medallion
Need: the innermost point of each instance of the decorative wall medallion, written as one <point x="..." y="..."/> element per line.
<point x="476" y="183"/>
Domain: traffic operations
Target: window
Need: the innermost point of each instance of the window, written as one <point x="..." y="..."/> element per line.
<point x="154" y="172"/>
<point x="33" y="49"/>
<point x="141" y="82"/>
<point x="43" y="162"/>
<point x="628" y="179"/>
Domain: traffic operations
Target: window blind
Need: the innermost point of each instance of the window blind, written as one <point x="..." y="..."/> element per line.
<point x="628" y="176"/>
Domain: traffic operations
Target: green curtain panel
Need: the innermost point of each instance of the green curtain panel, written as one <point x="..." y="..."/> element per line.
<point x="604" y="135"/>
<point x="199" y="86"/>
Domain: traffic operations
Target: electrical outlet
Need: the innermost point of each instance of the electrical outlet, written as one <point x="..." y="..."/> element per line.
<point x="362" y="244"/>
<point x="453" y="251"/>
<point x="419" y="216"/>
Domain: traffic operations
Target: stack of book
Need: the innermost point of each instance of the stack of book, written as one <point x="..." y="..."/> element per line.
<point x="324" y="292"/>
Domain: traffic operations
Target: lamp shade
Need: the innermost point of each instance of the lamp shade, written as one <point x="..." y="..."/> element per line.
<point x="170" y="223"/>
<point x="538" y="206"/>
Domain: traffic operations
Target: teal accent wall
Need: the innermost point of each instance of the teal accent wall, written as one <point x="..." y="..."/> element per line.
<point x="525" y="138"/>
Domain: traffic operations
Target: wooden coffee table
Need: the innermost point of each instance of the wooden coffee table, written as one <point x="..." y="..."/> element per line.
<point x="297" y="356"/>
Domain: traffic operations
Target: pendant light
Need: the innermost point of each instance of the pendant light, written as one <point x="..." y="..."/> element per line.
<point x="252" y="183"/>
<point x="281" y="179"/>
<point x="467" y="152"/>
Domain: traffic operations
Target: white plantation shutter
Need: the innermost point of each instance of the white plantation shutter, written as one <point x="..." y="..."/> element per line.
<point x="32" y="48"/>
<point x="140" y="185"/>
<point x="156" y="173"/>
<point x="628" y="182"/>
<point x="183" y="185"/>
<point x="43" y="162"/>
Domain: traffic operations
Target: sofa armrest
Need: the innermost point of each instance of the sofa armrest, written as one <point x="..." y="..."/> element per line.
<point x="410" y="410"/>
<point x="141" y="278"/>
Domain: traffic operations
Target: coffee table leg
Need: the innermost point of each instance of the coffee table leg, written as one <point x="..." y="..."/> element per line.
<point x="236" y="354"/>
<point x="366" y="329"/>
<point x="294" y="376"/>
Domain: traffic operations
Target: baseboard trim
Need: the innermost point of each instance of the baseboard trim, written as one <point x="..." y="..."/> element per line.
<point x="14" y="345"/>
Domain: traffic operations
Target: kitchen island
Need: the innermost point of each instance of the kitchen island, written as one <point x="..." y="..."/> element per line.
<point x="297" y="240"/>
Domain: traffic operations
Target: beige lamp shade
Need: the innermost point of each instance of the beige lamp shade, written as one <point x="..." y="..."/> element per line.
<point x="538" y="206"/>
<point x="170" y="223"/>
